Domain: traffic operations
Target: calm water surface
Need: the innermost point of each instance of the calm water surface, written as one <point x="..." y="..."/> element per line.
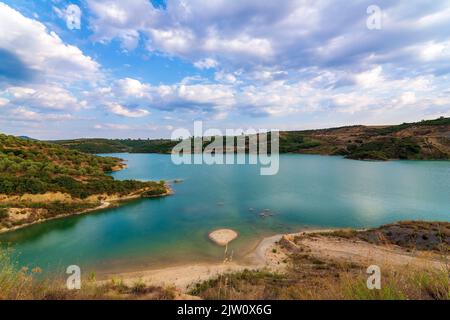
<point x="308" y="191"/>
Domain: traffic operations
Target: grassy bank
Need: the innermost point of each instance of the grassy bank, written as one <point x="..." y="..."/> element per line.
<point x="23" y="284"/>
<point x="318" y="280"/>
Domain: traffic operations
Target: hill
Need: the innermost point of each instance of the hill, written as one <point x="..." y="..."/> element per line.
<point x="39" y="181"/>
<point x="98" y="146"/>
<point x="425" y="140"/>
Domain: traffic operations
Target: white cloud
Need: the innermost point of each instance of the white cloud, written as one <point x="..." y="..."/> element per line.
<point x="113" y="126"/>
<point x="3" y="102"/>
<point x="240" y="45"/>
<point x="184" y="95"/>
<point x="125" y="112"/>
<point x="121" y="19"/>
<point x="371" y="77"/>
<point x="41" y="50"/>
<point x="225" y="77"/>
<point x="408" y="98"/>
<point x="273" y="59"/>
<point x="435" y="50"/>
<point x="131" y="87"/>
<point x="173" y="41"/>
<point x="24" y="114"/>
<point x="43" y="97"/>
<point x="207" y="63"/>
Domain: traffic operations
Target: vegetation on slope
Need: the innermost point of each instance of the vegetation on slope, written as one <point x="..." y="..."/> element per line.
<point x="308" y="278"/>
<point x="417" y="235"/>
<point x="30" y="167"/>
<point x="97" y="146"/>
<point x="425" y="140"/>
<point x="428" y="139"/>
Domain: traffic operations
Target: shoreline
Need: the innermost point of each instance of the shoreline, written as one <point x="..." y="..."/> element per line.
<point x="183" y="275"/>
<point x="271" y="252"/>
<point x="104" y="204"/>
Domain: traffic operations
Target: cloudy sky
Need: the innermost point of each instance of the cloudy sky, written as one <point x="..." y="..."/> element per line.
<point x="140" y="68"/>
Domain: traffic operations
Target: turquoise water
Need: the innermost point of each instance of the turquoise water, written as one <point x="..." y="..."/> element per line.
<point x="307" y="191"/>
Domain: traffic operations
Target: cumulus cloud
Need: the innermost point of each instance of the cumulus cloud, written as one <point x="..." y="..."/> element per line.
<point x="126" y="112"/>
<point x="43" y="97"/>
<point x="257" y="58"/>
<point x="207" y="63"/>
<point x="131" y="87"/>
<point x="293" y="33"/>
<point x="290" y="56"/>
<point x="222" y="76"/>
<point x="41" y="51"/>
<point x="121" y="19"/>
<point x="138" y="96"/>
<point x="22" y="114"/>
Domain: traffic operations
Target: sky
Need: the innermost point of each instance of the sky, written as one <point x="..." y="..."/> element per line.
<point x="141" y="69"/>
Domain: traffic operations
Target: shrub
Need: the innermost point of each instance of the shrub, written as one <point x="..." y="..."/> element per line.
<point x="3" y="213"/>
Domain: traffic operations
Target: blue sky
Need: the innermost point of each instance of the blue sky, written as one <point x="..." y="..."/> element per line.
<point x="139" y="68"/>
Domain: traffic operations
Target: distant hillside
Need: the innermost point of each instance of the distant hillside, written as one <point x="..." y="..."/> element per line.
<point x="98" y="146"/>
<point x="26" y="138"/>
<point x="420" y="140"/>
<point x="74" y="181"/>
<point x="425" y="140"/>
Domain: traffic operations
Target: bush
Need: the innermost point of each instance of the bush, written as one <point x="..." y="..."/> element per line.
<point x="3" y="213"/>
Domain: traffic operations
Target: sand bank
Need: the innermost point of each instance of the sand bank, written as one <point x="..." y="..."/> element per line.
<point x="222" y="237"/>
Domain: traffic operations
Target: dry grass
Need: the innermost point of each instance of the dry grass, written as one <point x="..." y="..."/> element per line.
<point x="310" y="276"/>
<point x="24" y="284"/>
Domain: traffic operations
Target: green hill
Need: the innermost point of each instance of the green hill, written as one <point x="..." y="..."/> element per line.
<point x="30" y="170"/>
<point x="425" y="140"/>
<point x="98" y="146"/>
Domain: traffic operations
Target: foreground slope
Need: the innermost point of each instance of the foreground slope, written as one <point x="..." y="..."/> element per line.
<point x="39" y="181"/>
<point x="412" y="257"/>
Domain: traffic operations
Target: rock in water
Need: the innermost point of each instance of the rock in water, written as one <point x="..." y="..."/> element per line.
<point x="222" y="237"/>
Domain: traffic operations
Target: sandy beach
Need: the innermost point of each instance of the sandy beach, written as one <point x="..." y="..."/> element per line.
<point x="183" y="276"/>
<point x="272" y="251"/>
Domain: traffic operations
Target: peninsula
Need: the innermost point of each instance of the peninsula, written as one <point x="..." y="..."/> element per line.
<point x="41" y="181"/>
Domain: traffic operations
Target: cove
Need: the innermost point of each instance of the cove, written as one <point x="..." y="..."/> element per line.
<point x="308" y="191"/>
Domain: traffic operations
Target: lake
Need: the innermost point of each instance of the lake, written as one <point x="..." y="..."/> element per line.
<point x="308" y="191"/>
